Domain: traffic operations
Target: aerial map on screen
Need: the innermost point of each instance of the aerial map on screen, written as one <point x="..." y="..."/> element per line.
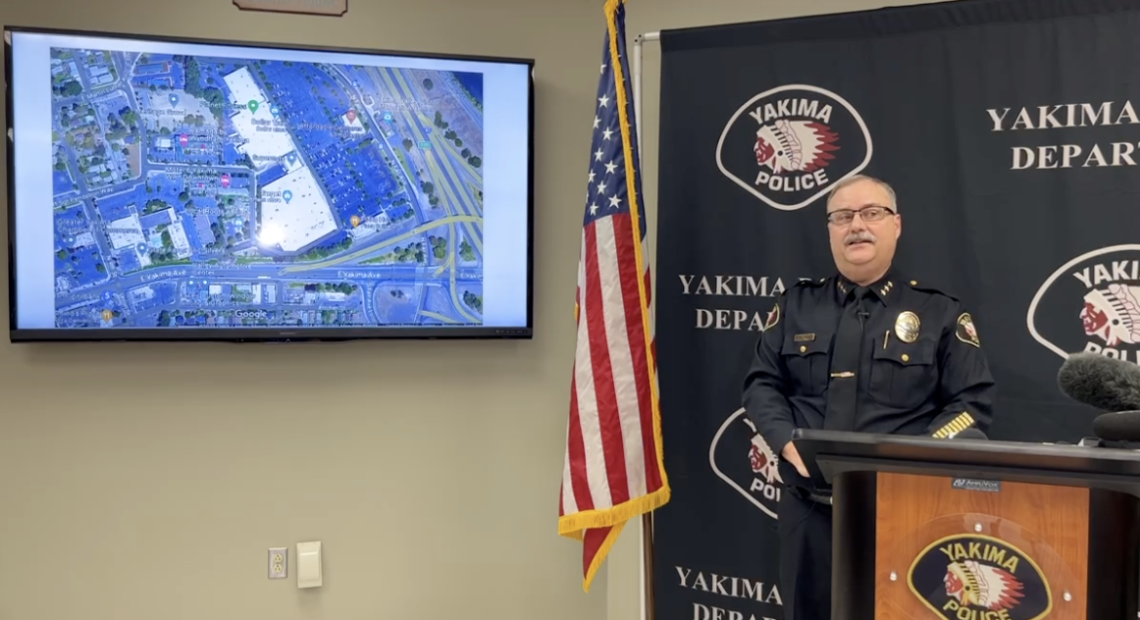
<point x="214" y="192"/>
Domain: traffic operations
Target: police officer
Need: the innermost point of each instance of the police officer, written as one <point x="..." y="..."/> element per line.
<point x="864" y="350"/>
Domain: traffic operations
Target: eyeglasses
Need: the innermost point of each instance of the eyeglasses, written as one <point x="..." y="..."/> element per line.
<point x="874" y="213"/>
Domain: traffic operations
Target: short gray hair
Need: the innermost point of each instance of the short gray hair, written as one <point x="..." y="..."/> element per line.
<point x="851" y="180"/>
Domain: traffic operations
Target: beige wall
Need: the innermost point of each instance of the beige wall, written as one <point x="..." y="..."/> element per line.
<point x="146" y="481"/>
<point x="140" y="482"/>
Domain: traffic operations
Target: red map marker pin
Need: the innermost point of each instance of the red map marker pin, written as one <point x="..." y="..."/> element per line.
<point x="351" y="116"/>
<point x="225" y="180"/>
<point x="183" y="139"/>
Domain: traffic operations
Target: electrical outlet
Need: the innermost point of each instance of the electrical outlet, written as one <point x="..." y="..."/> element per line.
<point x="278" y="562"/>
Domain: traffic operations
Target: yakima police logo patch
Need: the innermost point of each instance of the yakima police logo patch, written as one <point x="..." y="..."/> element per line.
<point x="740" y="457"/>
<point x="965" y="330"/>
<point x="1091" y="304"/>
<point x="969" y="577"/>
<point x="773" y="317"/>
<point x="787" y="146"/>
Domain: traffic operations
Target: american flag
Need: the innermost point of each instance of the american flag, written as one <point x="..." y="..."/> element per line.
<point x="614" y="469"/>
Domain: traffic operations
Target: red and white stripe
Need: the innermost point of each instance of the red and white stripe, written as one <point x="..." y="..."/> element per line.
<point x="611" y="454"/>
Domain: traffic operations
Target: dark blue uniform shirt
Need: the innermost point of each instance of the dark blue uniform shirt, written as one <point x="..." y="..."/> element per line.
<point x="918" y="367"/>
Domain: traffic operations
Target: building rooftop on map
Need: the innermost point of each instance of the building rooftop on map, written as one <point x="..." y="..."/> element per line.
<point x="179" y="240"/>
<point x="126" y="232"/>
<point x="265" y="137"/>
<point x="305" y="219"/>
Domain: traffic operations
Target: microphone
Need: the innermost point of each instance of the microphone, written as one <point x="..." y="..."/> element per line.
<point x="1108" y="384"/>
<point x="1102" y="382"/>
<point x="1120" y="426"/>
<point x="970" y="433"/>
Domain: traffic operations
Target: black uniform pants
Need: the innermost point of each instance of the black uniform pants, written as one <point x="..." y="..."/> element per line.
<point x="805" y="557"/>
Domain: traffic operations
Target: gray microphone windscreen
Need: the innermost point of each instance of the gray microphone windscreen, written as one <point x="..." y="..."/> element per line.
<point x="1102" y="382"/>
<point x="971" y="433"/>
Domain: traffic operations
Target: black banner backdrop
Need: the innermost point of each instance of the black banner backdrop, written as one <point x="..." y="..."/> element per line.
<point x="1011" y="132"/>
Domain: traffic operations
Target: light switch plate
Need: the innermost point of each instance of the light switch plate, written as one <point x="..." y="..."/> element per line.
<point x="309" y="570"/>
<point x="278" y="562"/>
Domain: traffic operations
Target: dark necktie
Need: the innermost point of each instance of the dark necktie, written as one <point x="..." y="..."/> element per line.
<point x="842" y="390"/>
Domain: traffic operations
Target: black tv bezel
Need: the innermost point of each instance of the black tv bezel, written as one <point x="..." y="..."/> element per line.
<point x="265" y="334"/>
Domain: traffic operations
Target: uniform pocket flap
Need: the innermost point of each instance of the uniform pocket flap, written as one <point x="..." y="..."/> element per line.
<point x="806" y="343"/>
<point x="918" y="353"/>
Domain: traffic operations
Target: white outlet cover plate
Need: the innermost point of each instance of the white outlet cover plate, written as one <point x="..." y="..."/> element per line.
<point x="278" y="560"/>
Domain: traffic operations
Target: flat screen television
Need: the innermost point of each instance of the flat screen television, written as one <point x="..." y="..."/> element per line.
<point x="182" y="189"/>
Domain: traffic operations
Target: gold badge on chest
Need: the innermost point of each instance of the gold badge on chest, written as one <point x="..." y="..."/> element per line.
<point x="906" y="326"/>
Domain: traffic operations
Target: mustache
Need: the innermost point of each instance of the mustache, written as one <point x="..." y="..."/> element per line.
<point x="855" y="237"/>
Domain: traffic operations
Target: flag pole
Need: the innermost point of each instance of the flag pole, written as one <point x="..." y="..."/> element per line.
<point x="648" y="609"/>
<point x="635" y="83"/>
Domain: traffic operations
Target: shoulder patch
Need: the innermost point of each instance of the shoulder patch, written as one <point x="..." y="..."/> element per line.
<point x="965" y="330"/>
<point x="773" y="317"/>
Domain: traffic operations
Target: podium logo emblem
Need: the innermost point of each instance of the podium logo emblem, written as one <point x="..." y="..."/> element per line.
<point x="979" y="577"/>
<point x="787" y="146"/>
<point x="742" y="459"/>
<point x="1091" y="304"/>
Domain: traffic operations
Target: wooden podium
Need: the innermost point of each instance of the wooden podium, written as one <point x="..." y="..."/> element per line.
<point x="960" y="529"/>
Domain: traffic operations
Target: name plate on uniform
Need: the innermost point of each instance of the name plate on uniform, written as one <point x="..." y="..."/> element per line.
<point x="308" y="7"/>
<point x="971" y="484"/>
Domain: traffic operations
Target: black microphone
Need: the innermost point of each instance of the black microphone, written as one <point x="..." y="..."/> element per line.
<point x="1119" y="426"/>
<point x="1102" y="382"/>
<point x="970" y="433"/>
